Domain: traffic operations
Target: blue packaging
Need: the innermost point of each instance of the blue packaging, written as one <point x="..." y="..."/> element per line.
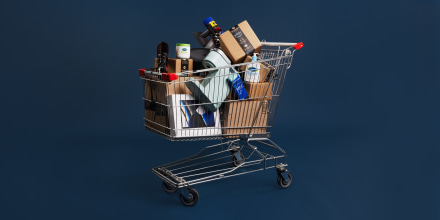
<point x="238" y="88"/>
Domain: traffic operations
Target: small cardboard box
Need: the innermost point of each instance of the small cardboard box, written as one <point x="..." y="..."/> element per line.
<point x="265" y="69"/>
<point x="240" y="41"/>
<point x="177" y="65"/>
<point x="239" y="117"/>
<point x="257" y="91"/>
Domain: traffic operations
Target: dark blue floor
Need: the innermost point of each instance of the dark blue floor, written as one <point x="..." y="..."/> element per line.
<point x="347" y="173"/>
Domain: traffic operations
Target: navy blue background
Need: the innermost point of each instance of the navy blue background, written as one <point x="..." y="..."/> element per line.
<point x="359" y="114"/>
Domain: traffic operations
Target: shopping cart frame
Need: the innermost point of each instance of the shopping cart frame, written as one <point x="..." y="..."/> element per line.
<point x="248" y="153"/>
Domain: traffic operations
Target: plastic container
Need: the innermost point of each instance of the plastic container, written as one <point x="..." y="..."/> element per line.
<point x="183" y="51"/>
<point x="252" y="71"/>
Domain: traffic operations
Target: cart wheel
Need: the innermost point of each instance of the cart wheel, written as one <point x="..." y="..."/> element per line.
<point x="168" y="188"/>
<point x="236" y="162"/>
<point x="284" y="183"/>
<point x="194" y="197"/>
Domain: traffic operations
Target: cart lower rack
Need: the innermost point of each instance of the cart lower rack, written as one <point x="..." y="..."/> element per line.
<point x="213" y="103"/>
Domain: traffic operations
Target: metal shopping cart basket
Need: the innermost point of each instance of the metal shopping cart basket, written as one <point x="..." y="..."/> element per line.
<point x="203" y="105"/>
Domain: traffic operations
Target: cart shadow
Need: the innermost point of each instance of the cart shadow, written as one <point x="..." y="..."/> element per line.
<point x="143" y="187"/>
<point x="247" y="186"/>
<point x="149" y="188"/>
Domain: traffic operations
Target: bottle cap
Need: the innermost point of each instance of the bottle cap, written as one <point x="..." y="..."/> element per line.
<point x="207" y="20"/>
<point x="254" y="57"/>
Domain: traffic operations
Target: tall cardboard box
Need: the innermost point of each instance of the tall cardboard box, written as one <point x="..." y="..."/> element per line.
<point x="240" y="41"/>
<point x="157" y="123"/>
<point x="156" y="92"/>
<point x="239" y="117"/>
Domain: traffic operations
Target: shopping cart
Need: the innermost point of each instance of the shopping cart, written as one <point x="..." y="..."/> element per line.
<point x="243" y="126"/>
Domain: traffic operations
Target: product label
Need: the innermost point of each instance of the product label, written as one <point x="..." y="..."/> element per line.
<point x="184" y="50"/>
<point x="184" y="65"/>
<point x="252" y="73"/>
<point x="212" y="23"/>
<point x="238" y="88"/>
<point x="252" y="70"/>
<point x="242" y="40"/>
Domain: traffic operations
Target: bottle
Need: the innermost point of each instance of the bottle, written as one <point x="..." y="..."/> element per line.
<point x="252" y="71"/>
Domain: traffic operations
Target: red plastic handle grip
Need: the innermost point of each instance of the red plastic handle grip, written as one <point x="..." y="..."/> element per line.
<point x="142" y="72"/>
<point x="298" y="45"/>
<point x="169" y="76"/>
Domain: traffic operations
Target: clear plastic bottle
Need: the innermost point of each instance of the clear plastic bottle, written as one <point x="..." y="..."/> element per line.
<point x="252" y="73"/>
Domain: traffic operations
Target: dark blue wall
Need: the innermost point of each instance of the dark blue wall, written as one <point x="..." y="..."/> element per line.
<point x="359" y="115"/>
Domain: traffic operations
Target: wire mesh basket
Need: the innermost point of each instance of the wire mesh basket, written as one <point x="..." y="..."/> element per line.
<point x="173" y="110"/>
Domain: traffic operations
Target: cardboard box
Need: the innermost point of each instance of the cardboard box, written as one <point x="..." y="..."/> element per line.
<point x="240" y="41"/>
<point x="239" y="117"/>
<point x="257" y="91"/>
<point x="177" y="65"/>
<point x="156" y="110"/>
<point x="158" y="90"/>
<point x="157" y="123"/>
<point x="265" y="69"/>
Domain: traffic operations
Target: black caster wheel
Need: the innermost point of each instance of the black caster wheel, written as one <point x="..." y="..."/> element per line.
<point x="283" y="182"/>
<point x="236" y="162"/>
<point x="193" y="197"/>
<point x="168" y="188"/>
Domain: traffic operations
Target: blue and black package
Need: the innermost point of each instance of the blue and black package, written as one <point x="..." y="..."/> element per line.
<point x="238" y="87"/>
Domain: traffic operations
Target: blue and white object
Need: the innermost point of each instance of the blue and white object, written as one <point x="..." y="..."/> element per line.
<point x="252" y="73"/>
<point x="188" y="118"/>
<point x="238" y="88"/>
<point x="216" y="86"/>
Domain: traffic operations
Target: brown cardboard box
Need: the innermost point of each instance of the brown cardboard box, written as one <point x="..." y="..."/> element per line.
<point x="257" y="91"/>
<point x="156" y="92"/>
<point x="265" y="69"/>
<point x="157" y="123"/>
<point x="239" y="114"/>
<point x="240" y="41"/>
<point x="175" y="65"/>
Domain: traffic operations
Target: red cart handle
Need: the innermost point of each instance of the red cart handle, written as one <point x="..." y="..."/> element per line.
<point x="298" y="46"/>
<point x="169" y="76"/>
<point x="142" y="72"/>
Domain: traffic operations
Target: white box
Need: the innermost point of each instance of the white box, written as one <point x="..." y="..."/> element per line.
<point x="188" y="118"/>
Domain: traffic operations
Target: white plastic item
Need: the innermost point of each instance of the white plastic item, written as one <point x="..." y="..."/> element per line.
<point x="183" y="51"/>
<point x="190" y="119"/>
<point x="214" y="88"/>
<point x="252" y="71"/>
